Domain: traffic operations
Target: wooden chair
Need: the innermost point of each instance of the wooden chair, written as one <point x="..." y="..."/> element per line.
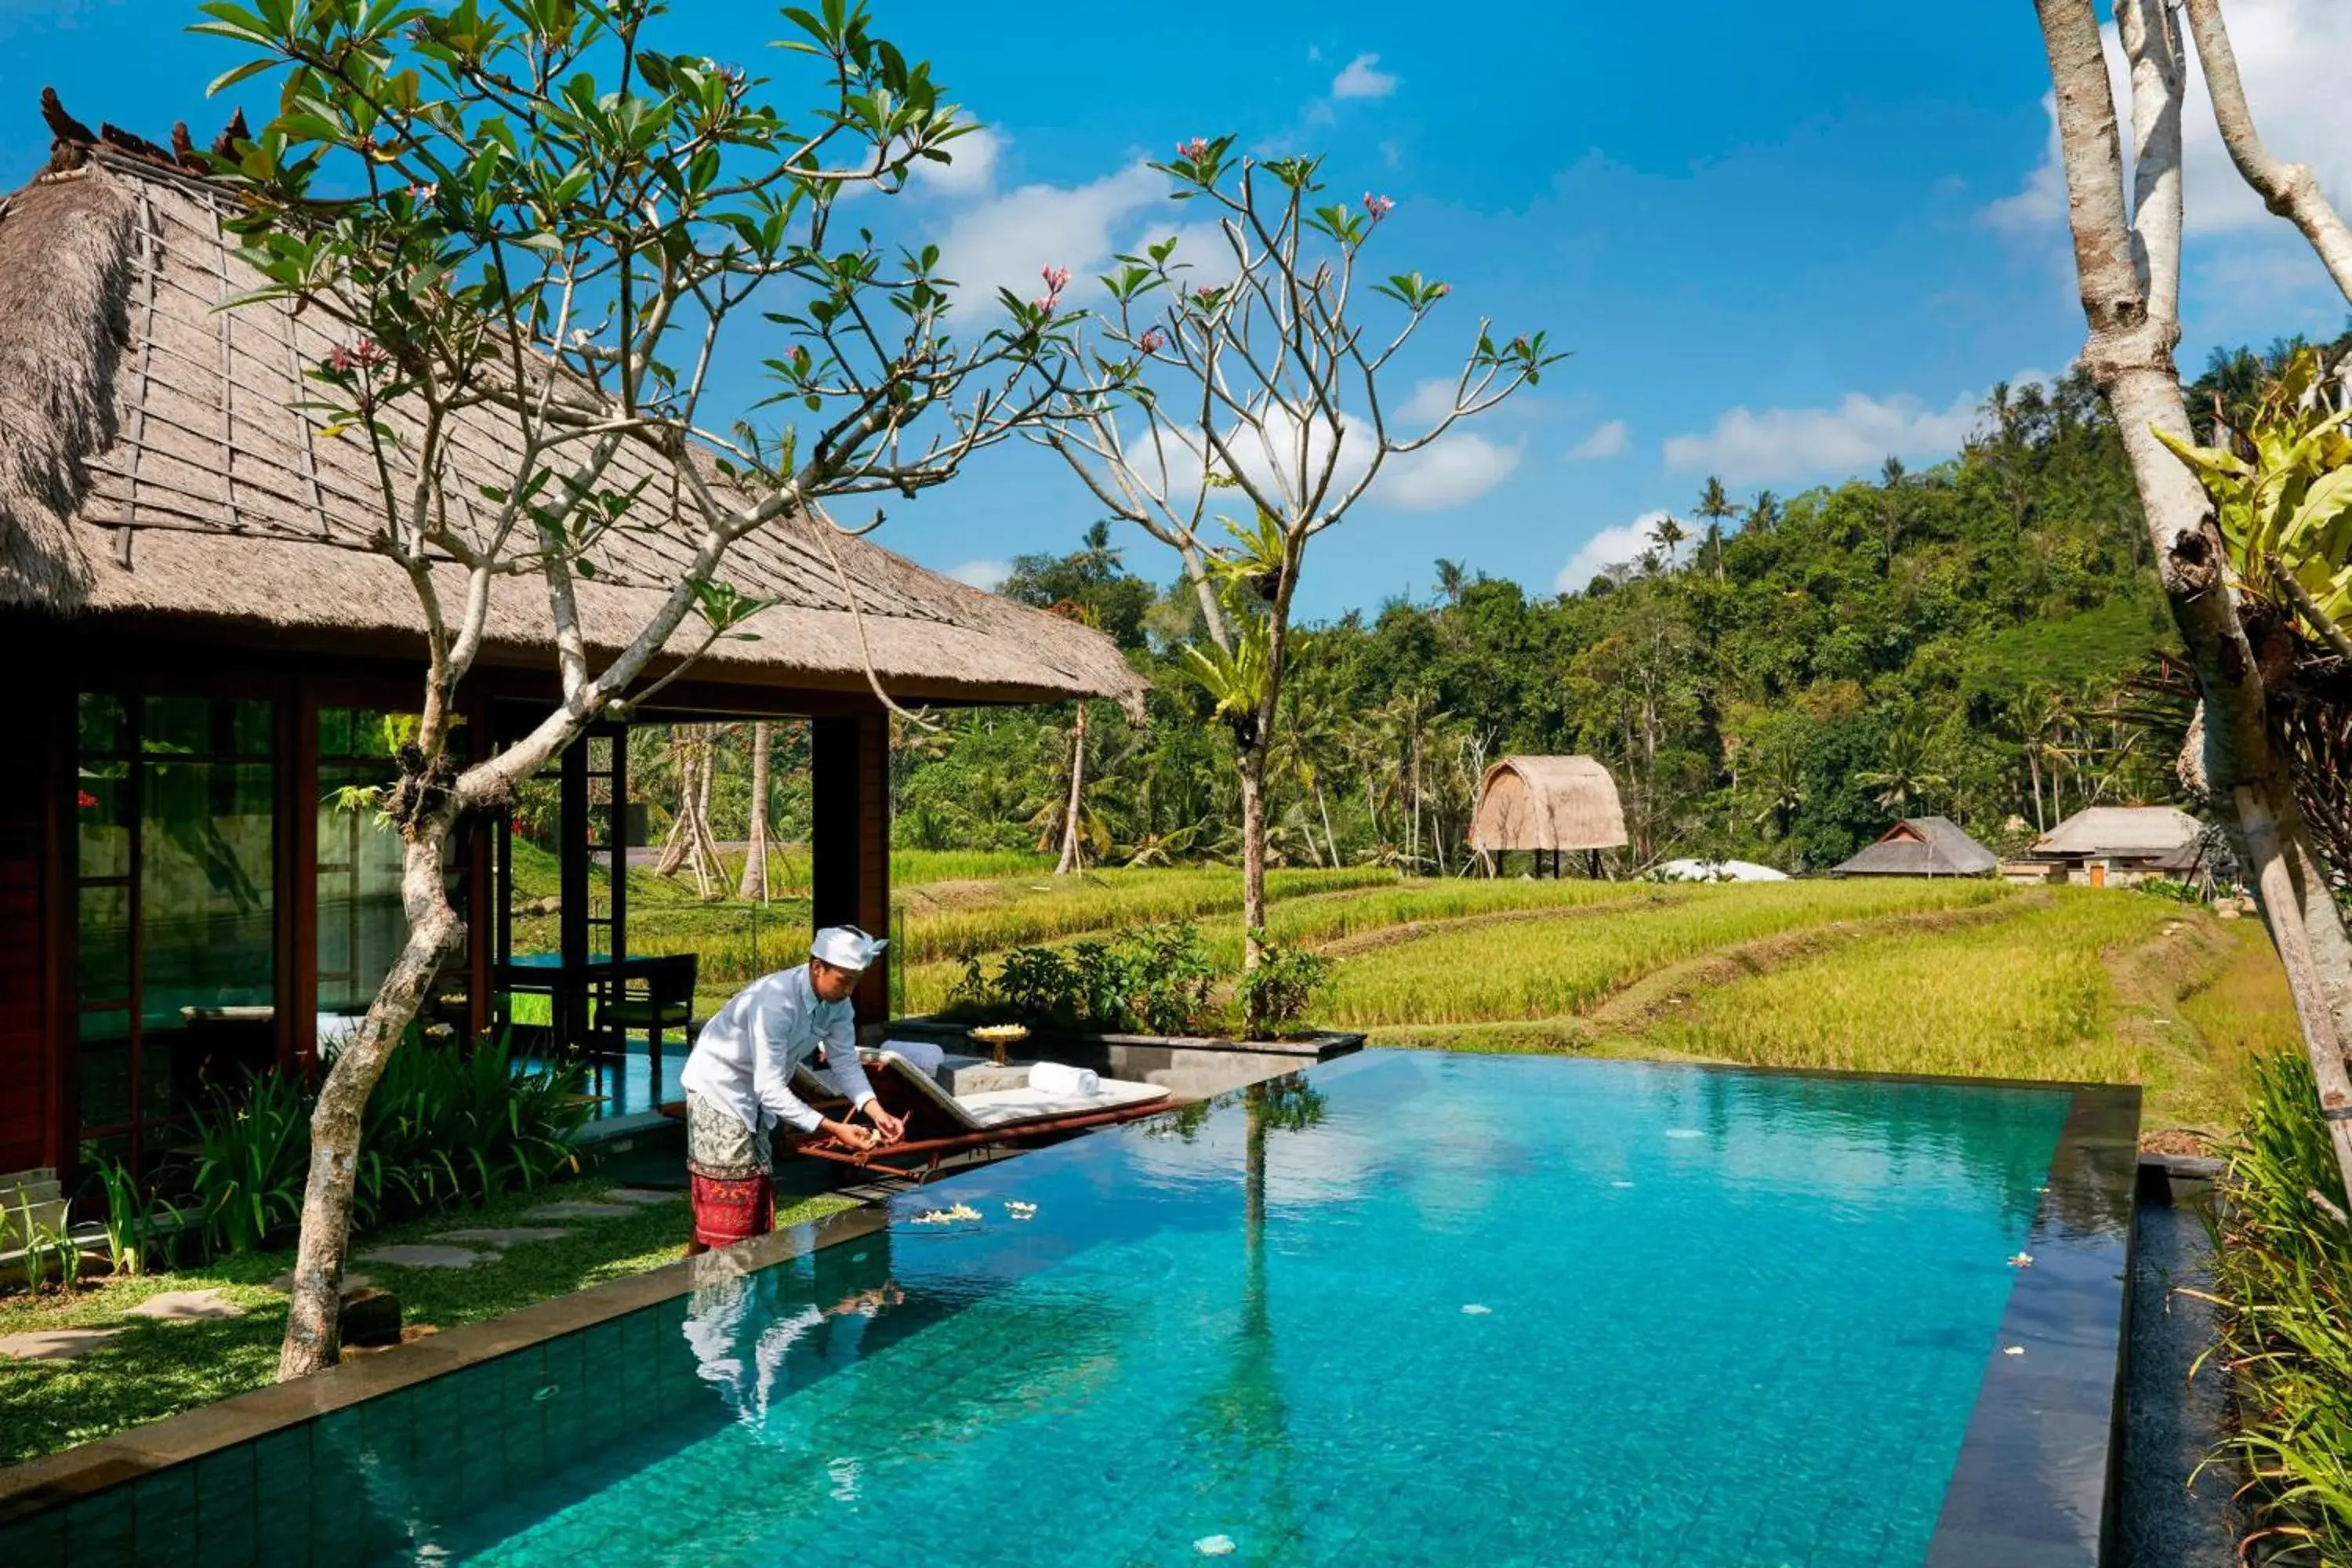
<point x="651" y="994"/>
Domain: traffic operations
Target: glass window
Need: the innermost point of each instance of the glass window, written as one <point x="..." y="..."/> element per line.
<point x="361" y="923"/>
<point x="176" y="907"/>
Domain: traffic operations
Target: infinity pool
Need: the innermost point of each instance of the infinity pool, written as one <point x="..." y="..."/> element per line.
<point x="1405" y="1307"/>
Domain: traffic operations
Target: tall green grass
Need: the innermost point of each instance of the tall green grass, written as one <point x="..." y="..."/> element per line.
<point x="1043" y="910"/>
<point x="1544" y="969"/>
<point x="2282" y="1279"/>
<point x="2026" y="998"/>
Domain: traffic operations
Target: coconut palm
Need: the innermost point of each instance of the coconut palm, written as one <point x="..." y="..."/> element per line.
<point x="1669" y="534"/>
<point x="1903" y="778"/>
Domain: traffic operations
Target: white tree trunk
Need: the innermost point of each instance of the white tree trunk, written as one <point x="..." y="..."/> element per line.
<point x="313" y="1321"/>
<point x="1072" y="859"/>
<point x="2290" y="190"/>
<point x="2129" y="355"/>
<point x="754" y="884"/>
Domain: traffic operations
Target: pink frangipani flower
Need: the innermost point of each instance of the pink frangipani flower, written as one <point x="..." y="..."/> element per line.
<point x="364" y="354"/>
<point x="1193" y="150"/>
<point x="1153" y="340"/>
<point x="1378" y="207"/>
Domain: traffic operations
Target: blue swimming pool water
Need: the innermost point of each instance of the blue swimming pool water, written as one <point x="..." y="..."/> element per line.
<point x="1428" y="1307"/>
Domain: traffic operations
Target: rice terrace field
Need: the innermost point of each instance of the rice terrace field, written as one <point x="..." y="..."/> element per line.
<point x="1965" y="977"/>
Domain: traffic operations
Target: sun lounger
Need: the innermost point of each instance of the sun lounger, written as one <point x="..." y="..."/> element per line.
<point x="941" y="1124"/>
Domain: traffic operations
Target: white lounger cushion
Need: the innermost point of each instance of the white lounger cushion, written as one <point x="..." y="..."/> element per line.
<point x="1002" y="1106"/>
<point x="992" y="1108"/>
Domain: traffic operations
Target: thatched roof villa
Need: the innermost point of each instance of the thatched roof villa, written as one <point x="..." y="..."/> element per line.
<point x="1548" y="803"/>
<point x="207" y="647"/>
<point x="1921" y="847"/>
<point x="2119" y="845"/>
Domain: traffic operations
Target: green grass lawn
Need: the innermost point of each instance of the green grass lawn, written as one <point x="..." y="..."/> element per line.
<point x="153" y="1369"/>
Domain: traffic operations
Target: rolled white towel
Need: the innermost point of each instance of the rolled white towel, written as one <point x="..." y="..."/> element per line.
<point x="1053" y="1078"/>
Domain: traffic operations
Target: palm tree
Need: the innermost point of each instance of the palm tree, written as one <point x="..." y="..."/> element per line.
<point x="1764" y="512"/>
<point x="1903" y="778"/>
<point x="1891" y="477"/>
<point x="1669" y="535"/>
<point x="1451" y="580"/>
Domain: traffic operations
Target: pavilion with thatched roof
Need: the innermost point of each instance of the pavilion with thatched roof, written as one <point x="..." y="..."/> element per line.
<point x="1921" y="847"/>
<point x="206" y="647"/>
<point x="1546" y="805"/>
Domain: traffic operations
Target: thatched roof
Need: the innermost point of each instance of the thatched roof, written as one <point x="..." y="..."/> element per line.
<point x="150" y="467"/>
<point x="2155" y="835"/>
<point x="1921" y="847"/>
<point x="1547" y="803"/>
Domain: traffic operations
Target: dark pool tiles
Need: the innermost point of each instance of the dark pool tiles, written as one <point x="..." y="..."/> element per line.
<point x="163" y="1516"/>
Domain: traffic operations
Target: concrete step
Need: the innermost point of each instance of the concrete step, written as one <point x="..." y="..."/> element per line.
<point x="40" y="1186"/>
<point x="48" y="1214"/>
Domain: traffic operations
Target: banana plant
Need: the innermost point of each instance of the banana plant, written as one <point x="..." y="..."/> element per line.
<point x="2283" y="496"/>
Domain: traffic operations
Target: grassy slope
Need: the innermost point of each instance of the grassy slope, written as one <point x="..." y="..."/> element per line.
<point x="153" y="1369"/>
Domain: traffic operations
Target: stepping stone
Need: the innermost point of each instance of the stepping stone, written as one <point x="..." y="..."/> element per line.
<point x="576" y="1208"/>
<point x="54" y="1344"/>
<point x="284" y="1283"/>
<point x="424" y="1255"/>
<point x="186" y="1306"/>
<point x="501" y="1237"/>
<point x="641" y="1195"/>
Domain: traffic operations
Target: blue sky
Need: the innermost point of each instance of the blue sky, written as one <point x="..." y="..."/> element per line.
<point x="1778" y="249"/>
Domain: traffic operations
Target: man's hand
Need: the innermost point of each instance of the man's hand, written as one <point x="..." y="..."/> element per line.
<point x="848" y="1134"/>
<point x="891" y="1127"/>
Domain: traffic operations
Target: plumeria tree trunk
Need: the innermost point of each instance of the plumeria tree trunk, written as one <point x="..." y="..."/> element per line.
<point x="2128" y="262"/>
<point x="529" y="291"/>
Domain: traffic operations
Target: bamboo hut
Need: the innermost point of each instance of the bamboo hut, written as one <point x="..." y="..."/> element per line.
<point x="1921" y="847"/>
<point x="203" y="640"/>
<point x="1548" y="804"/>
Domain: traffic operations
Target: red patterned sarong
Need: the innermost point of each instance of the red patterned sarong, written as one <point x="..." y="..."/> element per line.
<point x="732" y="1209"/>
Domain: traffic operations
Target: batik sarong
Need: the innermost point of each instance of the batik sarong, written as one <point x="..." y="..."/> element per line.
<point x="727" y="1176"/>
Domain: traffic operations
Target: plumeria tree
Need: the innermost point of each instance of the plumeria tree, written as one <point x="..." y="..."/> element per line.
<point x="534" y="234"/>
<point x="1255" y="379"/>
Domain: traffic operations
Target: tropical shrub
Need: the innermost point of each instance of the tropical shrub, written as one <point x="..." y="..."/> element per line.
<point x="252" y="1153"/>
<point x="140" y="1228"/>
<point x="2282" y="1284"/>
<point x="1154" y="979"/>
<point x="443" y="1129"/>
<point x="1285" y="985"/>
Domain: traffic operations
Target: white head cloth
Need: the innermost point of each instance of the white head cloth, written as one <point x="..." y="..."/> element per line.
<point x="845" y="947"/>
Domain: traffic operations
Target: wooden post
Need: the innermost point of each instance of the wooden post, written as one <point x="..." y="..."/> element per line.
<point x="849" y="839"/>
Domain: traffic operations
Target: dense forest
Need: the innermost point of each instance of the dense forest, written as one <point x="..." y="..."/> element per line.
<point x="1774" y="678"/>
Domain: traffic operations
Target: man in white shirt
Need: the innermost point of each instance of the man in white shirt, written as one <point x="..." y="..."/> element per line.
<point x="738" y="1082"/>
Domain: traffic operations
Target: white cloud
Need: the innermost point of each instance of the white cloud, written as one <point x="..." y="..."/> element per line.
<point x="984" y="575"/>
<point x="1359" y="79"/>
<point x="1449" y="471"/>
<point x="1605" y="549"/>
<point x="972" y="170"/>
<point x="1608" y="441"/>
<point x="1004" y="242"/>
<point x="1431" y="401"/>
<point x="1792" y="443"/>
<point x="2291" y="55"/>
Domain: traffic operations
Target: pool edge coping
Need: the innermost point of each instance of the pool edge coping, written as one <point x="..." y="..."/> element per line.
<point x="2052" y="1388"/>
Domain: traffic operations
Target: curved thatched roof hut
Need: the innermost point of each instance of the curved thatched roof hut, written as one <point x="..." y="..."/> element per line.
<point x="152" y="473"/>
<point x="1547" y="803"/>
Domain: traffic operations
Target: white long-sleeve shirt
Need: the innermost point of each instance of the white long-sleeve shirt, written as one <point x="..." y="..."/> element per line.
<point x="744" y="1058"/>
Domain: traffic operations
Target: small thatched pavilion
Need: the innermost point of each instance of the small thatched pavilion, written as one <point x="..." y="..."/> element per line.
<point x="206" y="648"/>
<point x="1550" y="804"/>
<point x="1921" y="847"/>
